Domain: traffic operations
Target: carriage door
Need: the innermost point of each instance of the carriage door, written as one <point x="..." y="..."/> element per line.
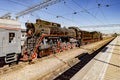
<point x="2" y="44"/>
<point x="11" y="47"/>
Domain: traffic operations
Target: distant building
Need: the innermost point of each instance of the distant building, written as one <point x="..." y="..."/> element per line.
<point x="23" y="36"/>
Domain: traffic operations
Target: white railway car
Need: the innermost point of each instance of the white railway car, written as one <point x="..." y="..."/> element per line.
<point x="10" y="41"/>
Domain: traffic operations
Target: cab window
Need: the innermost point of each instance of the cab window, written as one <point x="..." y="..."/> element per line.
<point x="11" y="37"/>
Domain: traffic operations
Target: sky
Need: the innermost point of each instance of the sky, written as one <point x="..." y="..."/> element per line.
<point x="85" y="14"/>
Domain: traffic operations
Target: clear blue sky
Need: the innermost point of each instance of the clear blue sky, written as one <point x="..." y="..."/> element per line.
<point x="72" y="12"/>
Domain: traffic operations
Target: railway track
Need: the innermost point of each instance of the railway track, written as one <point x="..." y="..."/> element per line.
<point x="84" y="59"/>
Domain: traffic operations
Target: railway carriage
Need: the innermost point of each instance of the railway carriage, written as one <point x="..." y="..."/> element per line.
<point x="10" y="38"/>
<point x="96" y="36"/>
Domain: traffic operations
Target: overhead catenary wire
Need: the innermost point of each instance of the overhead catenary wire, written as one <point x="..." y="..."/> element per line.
<point x="75" y="12"/>
<point x="99" y="7"/>
<point x="26" y="5"/>
<point x="64" y="17"/>
<point x="2" y="9"/>
<point x="22" y="4"/>
<point x="86" y="11"/>
<point x="18" y="3"/>
<point x="42" y="11"/>
<point x="38" y="6"/>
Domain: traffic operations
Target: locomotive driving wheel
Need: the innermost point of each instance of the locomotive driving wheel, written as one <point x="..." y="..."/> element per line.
<point x="40" y="53"/>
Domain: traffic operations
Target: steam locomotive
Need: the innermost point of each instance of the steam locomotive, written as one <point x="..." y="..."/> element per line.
<point x="51" y="38"/>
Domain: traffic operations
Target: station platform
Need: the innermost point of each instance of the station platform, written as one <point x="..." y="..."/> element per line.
<point x="104" y="66"/>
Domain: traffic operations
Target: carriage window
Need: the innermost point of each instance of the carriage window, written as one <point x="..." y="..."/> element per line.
<point x="11" y="37"/>
<point x="22" y="35"/>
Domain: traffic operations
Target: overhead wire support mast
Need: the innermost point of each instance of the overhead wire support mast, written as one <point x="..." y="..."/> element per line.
<point x="6" y="16"/>
<point x="38" y="6"/>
